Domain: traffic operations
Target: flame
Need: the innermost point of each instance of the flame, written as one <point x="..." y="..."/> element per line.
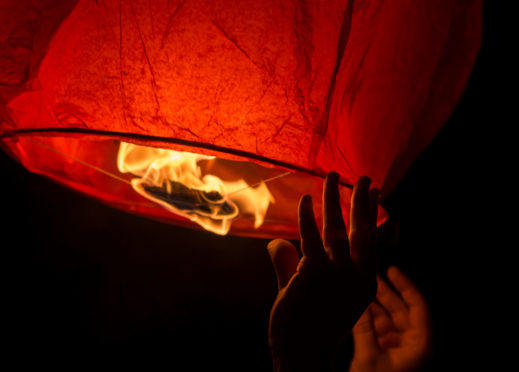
<point x="173" y="179"/>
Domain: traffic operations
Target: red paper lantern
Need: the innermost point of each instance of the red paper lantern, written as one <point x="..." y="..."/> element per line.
<point x="278" y="91"/>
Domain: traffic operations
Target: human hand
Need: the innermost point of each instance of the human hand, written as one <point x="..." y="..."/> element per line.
<point x="394" y="333"/>
<point x="322" y="295"/>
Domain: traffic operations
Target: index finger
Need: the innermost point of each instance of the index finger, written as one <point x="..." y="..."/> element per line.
<point x="311" y="243"/>
<point x="335" y="237"/>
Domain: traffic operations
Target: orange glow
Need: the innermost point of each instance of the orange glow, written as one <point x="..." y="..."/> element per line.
<point x="174" y="180"/>
<point x="268" y="87"/>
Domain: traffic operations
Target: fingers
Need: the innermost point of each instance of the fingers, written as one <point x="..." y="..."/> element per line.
<point x="374" y="195"/>
<point x="335" y="236"/>
<point x="381" y="320"/>
<point x="390" y="340"/>
<point x="284" y="258"/>
<point x="360" y="206"/>
<point x="311" y="243"/>
<point x="363" y="222"/>
<point x="408" y="291"/>
<point x="393" y="304"/>
<point x="364" y="335"/>
<point x="418" y="311"/>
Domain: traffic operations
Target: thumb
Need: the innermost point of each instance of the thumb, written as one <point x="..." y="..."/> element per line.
<point x="364" y="337"/>
<point x="285" y="259"/>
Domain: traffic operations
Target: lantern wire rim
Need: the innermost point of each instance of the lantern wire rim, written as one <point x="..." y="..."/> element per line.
<point x="136" y="136"/>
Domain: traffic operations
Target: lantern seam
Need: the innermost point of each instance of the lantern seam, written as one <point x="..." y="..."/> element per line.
<point x="322" y="126"/>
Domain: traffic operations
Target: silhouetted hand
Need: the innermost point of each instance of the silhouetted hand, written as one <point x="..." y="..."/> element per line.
<point x="322" y="295"/>
<point x="393" y="334"/>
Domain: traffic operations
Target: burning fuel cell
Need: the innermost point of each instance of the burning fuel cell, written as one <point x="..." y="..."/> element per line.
<point x="203" y="203"/>
<point x="174" y="180"/>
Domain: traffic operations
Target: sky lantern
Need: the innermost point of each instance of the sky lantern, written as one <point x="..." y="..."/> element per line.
<point x="220" y="114"/>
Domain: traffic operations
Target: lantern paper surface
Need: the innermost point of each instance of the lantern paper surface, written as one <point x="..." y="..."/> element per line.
<point x="267" y="87"/>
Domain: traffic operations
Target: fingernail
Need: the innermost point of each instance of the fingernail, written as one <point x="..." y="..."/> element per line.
<point x="306" y="200"/>
<point x="306" y="205"/>
<point x="270" y="247"/>
<point x="334" y="176"/>
<point x="364" y="180"/>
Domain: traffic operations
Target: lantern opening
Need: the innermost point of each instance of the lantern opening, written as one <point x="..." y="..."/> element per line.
<point x="176" y="184"/>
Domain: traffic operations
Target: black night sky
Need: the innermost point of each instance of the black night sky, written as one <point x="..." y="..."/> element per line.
<point x="85" y="281"/>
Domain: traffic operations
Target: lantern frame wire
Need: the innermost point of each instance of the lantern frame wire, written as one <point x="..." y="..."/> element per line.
<point x="129" y="183"/>
<point x="78" y="160"/>
<point x="259" y="183"/>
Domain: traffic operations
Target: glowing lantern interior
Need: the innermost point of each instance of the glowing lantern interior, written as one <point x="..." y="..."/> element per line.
<point x="255" y="88"/>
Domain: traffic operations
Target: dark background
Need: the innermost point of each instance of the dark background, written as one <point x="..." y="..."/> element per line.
<point x="84" y="281"/>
